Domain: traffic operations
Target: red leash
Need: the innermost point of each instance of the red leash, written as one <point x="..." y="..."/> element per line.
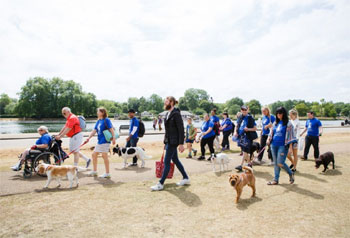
<point x="74" y="150"/>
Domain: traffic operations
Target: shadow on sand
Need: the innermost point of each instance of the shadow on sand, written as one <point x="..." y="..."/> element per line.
<point x="188" y="198"/>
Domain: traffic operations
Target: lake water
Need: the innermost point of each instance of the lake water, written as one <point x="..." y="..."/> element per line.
<point x="17" y="127"/>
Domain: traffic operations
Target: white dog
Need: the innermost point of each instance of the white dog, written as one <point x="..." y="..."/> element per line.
<point x="216" y="141"/>
<point x="131" y="152"/>
<point x="57" y="172"/>
<point x="221" y="159"/>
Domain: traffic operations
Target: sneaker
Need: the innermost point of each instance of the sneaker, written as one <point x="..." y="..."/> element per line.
<point x="184" y="182"/>
<point x="157" y="187"/>
<point x="105" y="175"/>
<point x="271" y="163"/>
<point x="88" y="163"/>
<point x="256" y="162"/>
<point x="201" y="158"/>
<point x="189" y="157"/>
<point x="291" y="166"/>
<point x="239" y="168"/>
<point x="17" y="167"/>
<point x="291" y="178"/>
<point x="132" y="165"/>
<point x="303" y="158"/>
<point x="195" y="152"/>
<point x="92" y="173"/>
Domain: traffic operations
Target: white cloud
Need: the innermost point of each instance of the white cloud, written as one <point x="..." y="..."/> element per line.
<point x="271" y="50"/>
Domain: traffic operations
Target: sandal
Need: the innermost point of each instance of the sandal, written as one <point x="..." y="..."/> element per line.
<point x="273" y="182"/>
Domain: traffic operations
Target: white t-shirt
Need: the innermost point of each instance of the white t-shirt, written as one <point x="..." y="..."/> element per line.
<point x="296" y="127"/>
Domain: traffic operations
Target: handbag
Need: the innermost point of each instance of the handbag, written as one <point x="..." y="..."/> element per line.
<point x="107" y="134"/>
<point x="243" y="141"/>
<point x="160" y="168"/>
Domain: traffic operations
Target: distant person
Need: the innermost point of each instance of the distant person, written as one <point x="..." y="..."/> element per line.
<point x="238" y="115"/>
<point x="191" y="133"/>
<point x="313" y="126"/>
<point x="207" y="137"/>
<point x="103" y="123"/>
<point x="226" y="127"/>
<point x="173" y="140"/>
<point x="267" y="120"/>
<point x="72" y="129"/>
<point x="160" y="121"/>
<point x="216" y="120"/>
<point x="155" y="120"/>
<point x="41" y="144"/>
<point x="133" y="138"/>
<point x="281" y="139"/>
<point x="293" y="154"/>
<point x="246" y="133"/>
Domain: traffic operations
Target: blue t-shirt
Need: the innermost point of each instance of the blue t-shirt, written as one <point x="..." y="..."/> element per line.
<point x="312" y="126"/>
<point x="214" y="119"/>
<point x="44" y="140"/>
<point x="244" y="124"/>
<point x="134" y="123"/>
<point x="228" y="124"/>
<point x="206" y="125"/>
<point x="100" y="126"/>
<point x="279" y="134"/>
<point x="265" y="122"/>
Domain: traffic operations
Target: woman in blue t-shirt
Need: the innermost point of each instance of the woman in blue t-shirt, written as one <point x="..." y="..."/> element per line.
<point x="207" y="137"/>
<point x="103" y="123"/>
<point x="281" y="139"/>
<point x="226" y="128"/>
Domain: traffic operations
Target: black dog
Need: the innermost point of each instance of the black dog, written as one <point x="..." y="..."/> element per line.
<point x="255" y="147"/>
<point x="325" y="159"/>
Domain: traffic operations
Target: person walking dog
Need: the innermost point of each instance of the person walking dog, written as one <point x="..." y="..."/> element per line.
<point x="133" y="138"/>
<point x="174" y="140"/>
<point x="314" y="129"/>
<point x="72" y="129"/>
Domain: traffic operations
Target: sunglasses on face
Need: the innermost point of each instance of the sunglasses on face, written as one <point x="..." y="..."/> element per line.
<point x="244" y="110"/>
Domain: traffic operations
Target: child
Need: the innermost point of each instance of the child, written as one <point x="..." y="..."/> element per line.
<point x="191" y="133"/>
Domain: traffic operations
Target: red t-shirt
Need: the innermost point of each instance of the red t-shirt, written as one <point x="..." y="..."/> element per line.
<point x="74" y="124"/>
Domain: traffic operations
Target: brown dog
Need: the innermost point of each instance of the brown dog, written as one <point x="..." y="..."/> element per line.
<point x="239" y="181"/>
<point x="325" y="159"/>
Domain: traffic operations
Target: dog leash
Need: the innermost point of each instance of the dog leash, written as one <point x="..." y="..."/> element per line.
<point x="74" y="151"/>
<point x="262" y="150"/>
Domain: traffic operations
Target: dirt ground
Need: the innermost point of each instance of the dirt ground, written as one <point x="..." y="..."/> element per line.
<point x="317" y="205"/>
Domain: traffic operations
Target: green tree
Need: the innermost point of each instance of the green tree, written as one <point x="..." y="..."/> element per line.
<point x="183" y="104"/>
<point x="254" y="106"/>
<point x="4" y="101"/>
<point x="134" y="103"/>
<point x="346" y="110"/>
<point x="193" y="96"/>
<point x="329" y="110"/>
<point x="233" y="109"/>
<point x="155" y="103"/>
<point x="205" y="105"/>
<point x="302" y="109"/>
<point x="338" y="106"/>
<point x="234" y="101"/>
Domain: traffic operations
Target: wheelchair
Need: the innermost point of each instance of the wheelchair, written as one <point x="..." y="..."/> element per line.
<point x="52" y="155"/>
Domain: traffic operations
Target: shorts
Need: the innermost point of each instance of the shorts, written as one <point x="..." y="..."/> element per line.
<point x="295" y="145"/>
<point x="75" y="142"/>
<point x="102" y="148"/>
<point x="189" y="141"/>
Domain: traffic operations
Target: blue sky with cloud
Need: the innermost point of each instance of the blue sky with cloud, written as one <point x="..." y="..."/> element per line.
<point x="268" y="50"/>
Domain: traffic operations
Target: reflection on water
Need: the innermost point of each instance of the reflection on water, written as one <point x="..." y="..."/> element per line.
<point x="17" y="127"/>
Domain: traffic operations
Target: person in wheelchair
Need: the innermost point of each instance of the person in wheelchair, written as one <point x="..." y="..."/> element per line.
<point x="41" y="144"/>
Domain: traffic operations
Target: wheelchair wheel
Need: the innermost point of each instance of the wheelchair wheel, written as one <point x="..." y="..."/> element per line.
<point x="27" y="173"/>
<point x="47" y="158"/>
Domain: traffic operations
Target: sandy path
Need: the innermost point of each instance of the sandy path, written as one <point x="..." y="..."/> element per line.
<point x="14" y="183"/>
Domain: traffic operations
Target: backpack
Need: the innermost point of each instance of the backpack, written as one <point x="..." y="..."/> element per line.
<point x="141" y="129"/>
<point x="82" y="122"/>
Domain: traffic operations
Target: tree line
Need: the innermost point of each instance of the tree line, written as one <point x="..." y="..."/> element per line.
<point x="44" y="98"/>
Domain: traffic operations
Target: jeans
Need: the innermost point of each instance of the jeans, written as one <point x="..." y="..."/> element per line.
<point x="171" y="155"/>
<point x="133" y="143"/>
<point x="279" y="155"/>
<point x="225" y="141"/>
<point x="263" y="140"/>
<point x="311" y="140"/>
<point x="210" y="142"/>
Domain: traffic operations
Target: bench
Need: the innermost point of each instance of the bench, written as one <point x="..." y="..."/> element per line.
<point x="123" y="127"/>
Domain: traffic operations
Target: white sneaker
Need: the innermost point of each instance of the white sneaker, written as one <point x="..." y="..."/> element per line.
<point x="271" y="163"/>
<point x="105" y="175"/>
<point x="157" y="187"/>
<point x="183" y="182"/>
<point x="92" y="173"/>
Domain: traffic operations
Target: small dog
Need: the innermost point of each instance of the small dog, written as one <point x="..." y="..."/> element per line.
<point x="325" y="159"/>
<point x="57" y="172"/>
<point x="254" y="148"/>
<point x="216" y="142"/>
<point x="131" y="152"/>
<point x="221" y="159"/>
<point x="239" y="181"/>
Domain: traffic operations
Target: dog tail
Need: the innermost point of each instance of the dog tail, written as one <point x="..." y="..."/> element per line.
<point x="143" y="154"/>
<point x="248" y="169"/>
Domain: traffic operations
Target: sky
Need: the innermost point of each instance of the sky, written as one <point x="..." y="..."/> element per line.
<point x="267" y="50"/>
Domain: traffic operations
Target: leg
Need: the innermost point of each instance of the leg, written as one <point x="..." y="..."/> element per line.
<point x="203" y="143"/>
<point x="106" y="161"/>
<point x="179" y="166"/>
<point x="94" y="161"/>
<point x="263" y="140"/>
<point x="76" y="179"/>
<point x="70" y="178"/>
<point x="307" y="146"/>
<point x="134" y="144"/>
<point x="58" y="182"/>
<point x="211" y="144"/>
<point x="170" y="150"/>
<point x="239" y="192"/>
<point x="84" y="157"/>
<point x="281" y="159"/>
<point x="76" y="158"/>
<point x="277" y="169"/>
<point x="315" y="144"/>
<point x="48" y="181"/>
<point x="295" y="155"/>
<point x="333" y="163"/>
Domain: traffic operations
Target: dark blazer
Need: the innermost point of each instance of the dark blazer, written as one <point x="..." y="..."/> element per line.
<point x="252" y="135"/>
<point x="174" y="128"/>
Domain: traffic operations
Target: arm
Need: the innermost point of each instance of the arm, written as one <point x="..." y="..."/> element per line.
<point x="208" y="131"/>
<point x="42" y="146"/>
<point x="181" y="131"/>
<point x="302" y="133"/>
<point x="321" y="130"/>
<point x="250" y="129"/>
<point x="92" y="133"/>
<point x="63" y="132"/>
<point x="134" y="129"/>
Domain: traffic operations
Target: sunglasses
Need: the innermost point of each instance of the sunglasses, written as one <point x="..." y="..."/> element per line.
<point x="243" y="109"/>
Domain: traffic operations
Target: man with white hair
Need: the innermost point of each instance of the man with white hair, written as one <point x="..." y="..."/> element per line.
<point x="72" y="129"/>
<point x="41" y="144"/>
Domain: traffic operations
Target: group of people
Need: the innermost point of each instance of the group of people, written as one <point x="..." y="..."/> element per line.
<point x="157" y="120"/>
<point x="279" y="136"/>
